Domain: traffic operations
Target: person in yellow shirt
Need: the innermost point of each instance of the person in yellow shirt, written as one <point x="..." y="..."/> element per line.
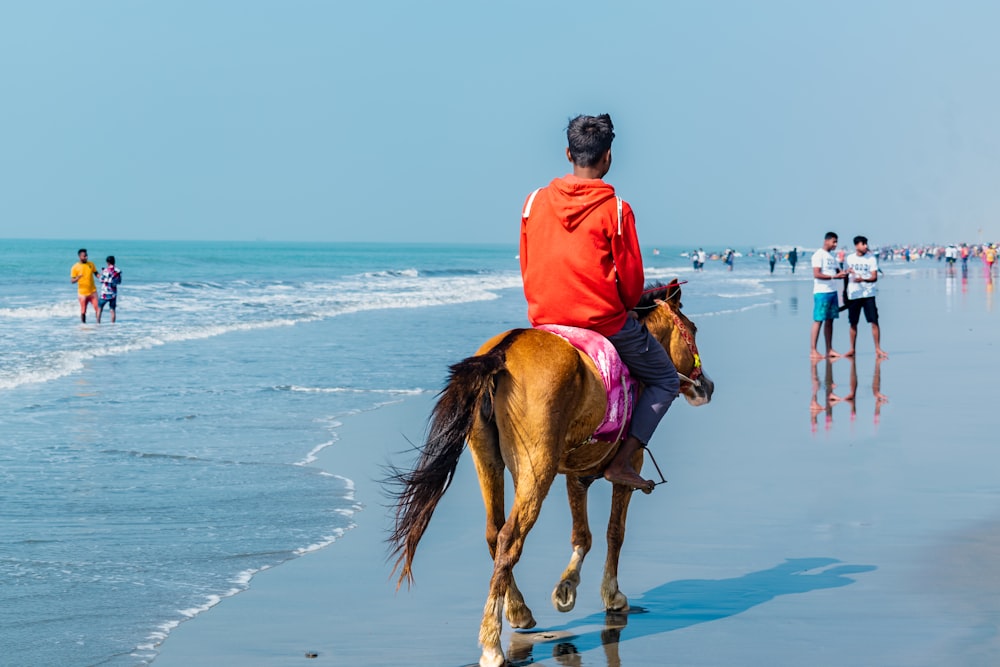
<point x="83" y="273"/>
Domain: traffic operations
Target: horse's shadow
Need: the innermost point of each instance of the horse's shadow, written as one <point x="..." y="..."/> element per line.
<point x="676" y="605"/>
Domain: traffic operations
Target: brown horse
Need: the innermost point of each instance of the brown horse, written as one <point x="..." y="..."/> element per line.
<point x="528" y="401"/>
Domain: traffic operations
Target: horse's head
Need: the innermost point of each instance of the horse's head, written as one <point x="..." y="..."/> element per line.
<point x="660" y="310"/>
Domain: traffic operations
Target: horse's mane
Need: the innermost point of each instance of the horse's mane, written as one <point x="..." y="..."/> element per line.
<point x="653" y="292"/>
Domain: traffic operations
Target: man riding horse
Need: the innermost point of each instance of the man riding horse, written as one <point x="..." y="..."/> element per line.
<point x="582" y="267"/>
<point x="532" y="403"/>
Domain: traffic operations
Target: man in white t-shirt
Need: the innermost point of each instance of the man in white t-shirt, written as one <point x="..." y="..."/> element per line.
<point x="827" y="278"/>
<point x="862" y="267"/>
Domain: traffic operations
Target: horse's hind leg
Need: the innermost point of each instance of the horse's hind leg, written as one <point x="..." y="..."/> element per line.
<point x="564" y="595"/>
<point x="485" y="447"/>
<point x="613" y="598"/>
<point x="510" y="543"/>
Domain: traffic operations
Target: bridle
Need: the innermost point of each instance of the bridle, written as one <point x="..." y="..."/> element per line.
<point x="682" y="329"/>
<point x="686" y="336"/>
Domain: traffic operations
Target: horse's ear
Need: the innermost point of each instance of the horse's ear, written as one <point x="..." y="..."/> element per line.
<point x="674" y="292"/>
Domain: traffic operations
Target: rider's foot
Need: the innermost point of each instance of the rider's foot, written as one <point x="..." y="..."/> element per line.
<point x="620" y="470"/>
<point x="629" y="478"/>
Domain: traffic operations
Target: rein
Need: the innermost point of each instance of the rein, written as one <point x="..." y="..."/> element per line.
<point x="692" y="346"/>
<point x="672" y="289"/>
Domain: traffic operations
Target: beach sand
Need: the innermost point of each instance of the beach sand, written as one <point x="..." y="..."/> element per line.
<point x="784" y="537"/>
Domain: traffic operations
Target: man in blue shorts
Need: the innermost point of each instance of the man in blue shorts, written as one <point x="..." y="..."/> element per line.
<point x="827" y="278"/>
<point x="111" y="277"/>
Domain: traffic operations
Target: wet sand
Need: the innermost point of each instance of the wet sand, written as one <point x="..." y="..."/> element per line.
<point x="863" y="532"/>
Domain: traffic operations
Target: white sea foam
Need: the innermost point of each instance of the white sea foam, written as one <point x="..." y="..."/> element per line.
<point x="350" y="390"/>
<point x="314" y="452"/>
<point x="325" y="542"/>
<point x="62" y="310"/>
<point x="728" y="311"/>
<point x="745" y="287"/>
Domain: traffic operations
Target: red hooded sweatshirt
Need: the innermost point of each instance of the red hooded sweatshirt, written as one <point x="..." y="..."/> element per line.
<point x="580" y="266"/>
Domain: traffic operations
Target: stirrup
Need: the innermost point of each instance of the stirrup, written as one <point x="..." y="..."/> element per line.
<point x="663" y="480"/>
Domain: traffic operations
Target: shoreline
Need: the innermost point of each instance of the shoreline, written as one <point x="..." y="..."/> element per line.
<point x="774" y="542"/>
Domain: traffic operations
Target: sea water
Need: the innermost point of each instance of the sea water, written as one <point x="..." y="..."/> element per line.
<point x="151" y="467"/>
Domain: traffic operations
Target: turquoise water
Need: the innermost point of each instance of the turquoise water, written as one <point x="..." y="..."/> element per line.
<point x="151" y="467"/>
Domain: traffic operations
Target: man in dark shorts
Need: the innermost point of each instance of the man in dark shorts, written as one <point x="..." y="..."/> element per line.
<point x="862" y="269"/>
<point x="111" y="277"/>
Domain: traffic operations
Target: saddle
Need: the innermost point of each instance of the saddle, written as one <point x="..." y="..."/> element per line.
<point x="618" y="382"/>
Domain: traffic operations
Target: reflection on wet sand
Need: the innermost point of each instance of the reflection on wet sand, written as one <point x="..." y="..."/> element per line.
<point x="989" y="292"/>
<point x="815" y="407"/>
<point x="830" y="399"/>
<point x="676" y="605"/>
<point x="880" y="398"/>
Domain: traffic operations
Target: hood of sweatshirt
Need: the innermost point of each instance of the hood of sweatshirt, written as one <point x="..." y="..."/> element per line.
<point x="574" y="198"/>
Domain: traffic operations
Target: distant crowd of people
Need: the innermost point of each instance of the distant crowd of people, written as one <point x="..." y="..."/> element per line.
<point x="86" y="276"/>
<point x="729" y="255"/>
<point x="952" y="253"/>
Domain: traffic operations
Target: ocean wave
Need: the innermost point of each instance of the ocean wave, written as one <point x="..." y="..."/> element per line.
<point x="61" y="363"/>
<point x="750" y="287"/>
<point x="727" y="311"/>
<point x="403" y="273"/>
<point x="349" y="390"/>
<point x="60" y="310"/>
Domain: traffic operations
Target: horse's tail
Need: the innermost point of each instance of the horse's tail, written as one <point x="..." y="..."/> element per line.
<point x="470" y="389"/>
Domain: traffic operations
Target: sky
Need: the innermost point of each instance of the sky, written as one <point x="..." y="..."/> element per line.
<point x="737" y="123"/>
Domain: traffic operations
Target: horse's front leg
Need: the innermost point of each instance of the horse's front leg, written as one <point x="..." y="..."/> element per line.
<point x="613" y="598"/>
<point x="564" y="595"/>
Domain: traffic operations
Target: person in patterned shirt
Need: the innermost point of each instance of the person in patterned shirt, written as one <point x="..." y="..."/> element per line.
<point x="111" y="277"/>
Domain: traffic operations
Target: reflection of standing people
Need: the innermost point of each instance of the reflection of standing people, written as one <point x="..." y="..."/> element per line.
<point x="581" y="266"/>
<point x="861" y="290"/>
<point x="82" y="274"/>
<point x="829" y="398"/>
<point x="825" y="306"/>
<point x="880" y="398"/>
<point x="111" y="277"/>
<point x="793" y="257"/>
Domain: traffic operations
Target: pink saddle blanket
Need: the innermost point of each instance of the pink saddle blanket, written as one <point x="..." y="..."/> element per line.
<point x="618" y="383"/>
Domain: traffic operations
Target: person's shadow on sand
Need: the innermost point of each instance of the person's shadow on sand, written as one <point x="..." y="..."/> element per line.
<point x="676" y="605"/>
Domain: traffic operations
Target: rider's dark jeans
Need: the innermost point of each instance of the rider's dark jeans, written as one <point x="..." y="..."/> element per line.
<point x="649" y="363"/>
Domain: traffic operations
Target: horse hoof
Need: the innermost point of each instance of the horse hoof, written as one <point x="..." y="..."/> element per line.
<point x="564" y="597"/>
<point x="492" y="659"/>
<point x="618" y="603"/>
<point x="523" y="621"/>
